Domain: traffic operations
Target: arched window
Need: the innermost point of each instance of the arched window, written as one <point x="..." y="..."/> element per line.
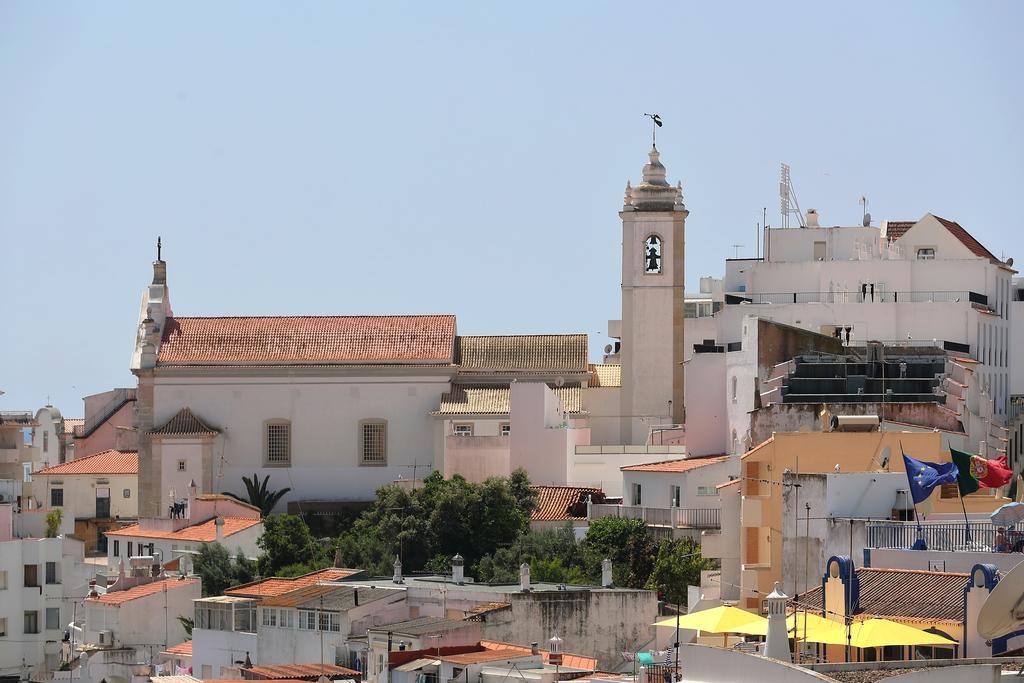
<point x="652" y="254"/>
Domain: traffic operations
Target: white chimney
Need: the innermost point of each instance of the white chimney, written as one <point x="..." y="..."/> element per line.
<point x="219" y="525"/>
<point x="606" y="573"/>
<point x="457" y="570"/>
<point x="776" y="644"/>
<point x="811" y="218"/>
<point x="397" y="578"/>
<point x="524" y="577"/>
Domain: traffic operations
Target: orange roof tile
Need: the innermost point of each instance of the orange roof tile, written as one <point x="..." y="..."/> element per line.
<point x="676" y="466"/>
<point x="563" y="503"/>
<point x="136" y="592"/>
<point x="965" y="238"/>
<point x="538" y="353"/>
<point x="763" y="444"/>
<point x="485" y="656"/>
<point x="276" y="586"/>
<point x="298" y="672"/>
<point x="290" y="340"/>
<point x="180" y="649"/>
<point x="204" y="532"/>
<point x="71" y="422"/>
<point x="609" y="375"/>
<point x="895" y="229"/>
<point x="104" y="462"/>
<point x="184" y="423"/>
<point x="570" y="660"/>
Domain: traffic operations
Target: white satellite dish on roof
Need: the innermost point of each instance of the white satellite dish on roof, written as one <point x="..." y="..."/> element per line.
<point x="1003" y="611"/>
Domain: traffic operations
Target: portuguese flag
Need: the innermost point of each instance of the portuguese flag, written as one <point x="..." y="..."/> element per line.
<point x="976" y="472"/>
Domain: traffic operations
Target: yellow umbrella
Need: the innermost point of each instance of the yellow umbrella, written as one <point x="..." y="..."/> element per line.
<point x="817" y="627"/>
<point x="882" y="632"/>
<point x="722" y="619"/>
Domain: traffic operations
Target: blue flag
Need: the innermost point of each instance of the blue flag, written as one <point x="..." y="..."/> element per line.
<point x="925" y="476"/>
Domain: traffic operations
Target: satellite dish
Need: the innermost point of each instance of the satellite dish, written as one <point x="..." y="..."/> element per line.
<point x="608" y="347"/>
<point x="867" y="220"/>
<point x="1009" y="261"/>
<point x="1003" y="611"/>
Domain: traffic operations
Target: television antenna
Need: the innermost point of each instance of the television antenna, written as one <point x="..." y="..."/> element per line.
<point x="736" y="250"/>
<point x="788" y="204"/>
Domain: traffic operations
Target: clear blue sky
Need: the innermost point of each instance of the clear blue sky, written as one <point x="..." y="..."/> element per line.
<point x="337" y="158"/>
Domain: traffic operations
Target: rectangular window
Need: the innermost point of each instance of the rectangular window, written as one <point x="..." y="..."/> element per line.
<point x="52" y="618"/>
<point x="329" y="621"/>
<point x="635" y="494"/>
<point x="56" y="498"/>
<point x="129" y="548"/>
<point x="279" y="443"/>
<point x="26" y="472"/>
<point x="117" y="548"/>
<point x="675" y="495"/>
<point x="3" y="627"/>
<point x="505" y="429"/>
<point x="307" y="620"/>
<point x="706" y="491"/>
<point x="373" y="437"/>
<point x="287" y="618"/>
<point x="103" y="501"/>
<point x="31" y="622"/>
<point x="51" y="573"/>
<point x="926" y="254"/>
<point x="181" y="466"/>
<point x="31" y="576"/>
<point x="819" y="251"/>
<point x="462" y="429"/>
<point x="46" y="442"/>
<point x="269" y="616"/>
<point x="3" y="580"/>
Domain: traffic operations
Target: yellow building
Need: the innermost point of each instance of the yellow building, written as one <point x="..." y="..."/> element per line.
<point x="761" y="528"/>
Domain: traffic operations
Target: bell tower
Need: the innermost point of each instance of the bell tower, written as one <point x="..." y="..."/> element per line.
<point x="653" y="230"/>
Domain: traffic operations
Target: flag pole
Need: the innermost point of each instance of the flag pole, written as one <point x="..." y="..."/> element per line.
<point x="917" y="518"/>
<point x="967" y="522"/>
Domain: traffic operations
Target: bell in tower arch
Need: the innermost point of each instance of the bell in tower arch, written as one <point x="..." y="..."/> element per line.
<point x="652" y="254"/>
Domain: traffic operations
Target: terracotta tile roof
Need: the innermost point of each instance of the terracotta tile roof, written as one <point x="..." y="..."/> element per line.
<point x="484" y="656"/>
<point x="494" y="399"/>
<point x="104" y="462"/>
<point x="537" y="353"/>
<point x="275" y="586"/>
<point x="570" y="660"/>
<point x="763" y="444"/>
<point x="965" y="238"/>
<point x="563" y="503"/>
<point x="905" y="594"/>
<point x="895" y="229"/>
<point x="181" y="649"/>
<point x="230" y="499"/>
<point x="301" y="672"/>
<point x="71" y="422"/>
<point x="731" y="482"/>
<point x="297" y="340"/>
<point x="136" y="592"/>
<point x="605" y="375"/>
<point x="185" y="423"/>
<point x="487" y="607"/>
<point x="204" y="532"/>
<point x="676" y="466"/>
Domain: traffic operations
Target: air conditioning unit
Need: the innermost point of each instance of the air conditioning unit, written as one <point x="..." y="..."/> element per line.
<point x="107" y="638"/>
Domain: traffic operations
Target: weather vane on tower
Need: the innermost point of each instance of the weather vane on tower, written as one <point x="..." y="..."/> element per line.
<point x="656" y="124"/>
<point x="158" y="248"/>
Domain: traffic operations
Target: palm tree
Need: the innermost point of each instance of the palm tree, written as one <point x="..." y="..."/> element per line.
<point x="258" y="494"/>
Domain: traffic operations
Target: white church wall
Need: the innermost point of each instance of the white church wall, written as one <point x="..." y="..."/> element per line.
<point x="601" y="404"/>
<point x="706" y="418"/>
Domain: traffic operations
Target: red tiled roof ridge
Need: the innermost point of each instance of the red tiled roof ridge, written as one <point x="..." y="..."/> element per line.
<point x="665" y="465"/>
<point x="118" y="597"/>
<point x="289" y="583"/>
<point x="201" y="532"/>
<point x="966" y="238"/>
<point x="115" y="462"/>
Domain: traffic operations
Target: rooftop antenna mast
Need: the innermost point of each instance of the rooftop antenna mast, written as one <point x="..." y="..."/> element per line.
<point x="655" y="125"/>
<point x="788" y="205"/>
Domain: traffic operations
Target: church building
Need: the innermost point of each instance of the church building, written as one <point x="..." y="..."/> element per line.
<point x="334" y="407"/>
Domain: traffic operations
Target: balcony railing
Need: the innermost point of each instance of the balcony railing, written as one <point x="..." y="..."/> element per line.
<point x="945" y="536"/>
<point x="858" y="297"/>
<point x="694" y="518"/>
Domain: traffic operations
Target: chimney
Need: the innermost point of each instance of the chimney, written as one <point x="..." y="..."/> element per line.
<point x="606" y="573"/>
<point x="534" y="648"/>
<point x="397" y="578"/>
<point x="811" y="219"/>
<point x="219" y="525"/>
<point x="92" y="588"/>
<point x="524" y="577"/>
<point x="457" y="570"/>
<point x="776" y="643"/>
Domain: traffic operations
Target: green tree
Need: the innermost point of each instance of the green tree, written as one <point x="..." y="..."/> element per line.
<point x="553" y="555"/>
<point x="286" y="540"/>
<point x="519" y="487"/>
<point x="187" y="623"/>
<point x="219" y="571"/>
<point x="677" y="565"/>
<point x="53" y="521"/>
<point x="627" y="543"/>
<point x="259" y="495"/>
